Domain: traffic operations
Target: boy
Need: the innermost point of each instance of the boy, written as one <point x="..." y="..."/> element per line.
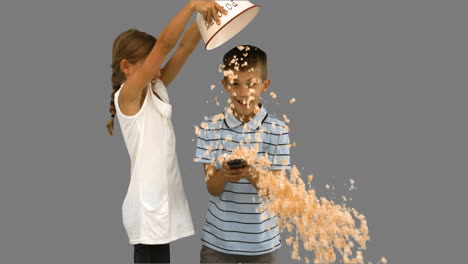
<point x="235" y="230"/>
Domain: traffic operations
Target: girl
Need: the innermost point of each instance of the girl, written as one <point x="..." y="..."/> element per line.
<point x="155" y="210"/>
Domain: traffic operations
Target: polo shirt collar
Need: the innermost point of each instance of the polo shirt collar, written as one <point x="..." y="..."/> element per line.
<point x="232" y="122"/>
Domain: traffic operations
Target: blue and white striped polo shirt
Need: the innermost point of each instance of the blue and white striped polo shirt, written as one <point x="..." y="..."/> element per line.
<point x="234" y="223"/>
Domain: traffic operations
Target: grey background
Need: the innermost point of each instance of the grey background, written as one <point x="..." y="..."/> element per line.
<point x="381" y="93"/>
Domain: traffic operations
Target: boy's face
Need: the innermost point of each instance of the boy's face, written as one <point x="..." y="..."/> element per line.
<point x="245" y="88"/>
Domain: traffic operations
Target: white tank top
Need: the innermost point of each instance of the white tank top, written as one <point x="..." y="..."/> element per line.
<point x="155" y="209"/>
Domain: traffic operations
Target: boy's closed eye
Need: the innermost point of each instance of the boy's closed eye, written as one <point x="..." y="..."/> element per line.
<point x="249" y="83"/>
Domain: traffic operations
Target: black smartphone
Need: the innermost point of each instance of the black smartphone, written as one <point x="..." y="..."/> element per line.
<point x="236" y="163"/>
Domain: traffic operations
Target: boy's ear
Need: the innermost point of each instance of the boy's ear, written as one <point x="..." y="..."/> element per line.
<point x="266" y="84"/>
<point x="223" y="81"/>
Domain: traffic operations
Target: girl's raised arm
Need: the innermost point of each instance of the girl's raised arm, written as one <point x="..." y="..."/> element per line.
<point x="136" y="82"/>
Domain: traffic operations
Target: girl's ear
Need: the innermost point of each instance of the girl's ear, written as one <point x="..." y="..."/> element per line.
<point x="125" y="66"/>
<point x="266" y="84"/>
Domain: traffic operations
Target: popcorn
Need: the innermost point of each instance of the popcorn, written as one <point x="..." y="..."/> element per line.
<point x="197" y="131"/>
<point x="352" y="187"/>
<point x="310" y="178"/>
<point x="292" y="101"/>
<point x="285" y="118"/>
<point x="212" y="87"/>
<point x="218" y="117"/>
<point x="272" y="94"/>
<point x="241" y="48"/>
<point x="228" y="73"/>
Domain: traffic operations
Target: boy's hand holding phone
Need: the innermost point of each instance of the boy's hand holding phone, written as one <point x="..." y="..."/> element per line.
<point x="236" y="169"/>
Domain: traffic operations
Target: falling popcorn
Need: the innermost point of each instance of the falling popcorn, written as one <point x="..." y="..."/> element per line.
<point x="228" y="73"/>
<point x="352" y="187"/>
<point x="323" y="226"/>
<point x="294" y="144"/>
<point x="258" y="137"/>
<point x="272" y="94"/>
<point x="329" y="225"/>
<point x="327" y="186"/>
<point x="292" y="101"/>
<point x="383" y="260"/>
<point x="218" y="117"/>
<point x="197" y="131"/>
<point x="285" y="118"/>
<point x="310" y="178"/>
<point x="212" y="87"/>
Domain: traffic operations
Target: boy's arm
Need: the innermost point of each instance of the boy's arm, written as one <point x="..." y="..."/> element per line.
<point x="216" y="181"/>
<point x="186" y="46"/>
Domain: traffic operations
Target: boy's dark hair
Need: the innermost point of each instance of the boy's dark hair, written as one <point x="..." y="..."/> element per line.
<point x="245" y="57"/>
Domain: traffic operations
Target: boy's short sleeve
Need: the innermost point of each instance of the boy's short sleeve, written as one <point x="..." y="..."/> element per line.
<point x="281" y="158"/>
<point x="204" y="153"/>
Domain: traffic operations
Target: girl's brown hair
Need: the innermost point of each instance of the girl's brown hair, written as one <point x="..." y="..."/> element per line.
<point x="132" y="45"/>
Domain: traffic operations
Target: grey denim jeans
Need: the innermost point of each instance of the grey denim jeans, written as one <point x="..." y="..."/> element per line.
<point x="208" y="255"/>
